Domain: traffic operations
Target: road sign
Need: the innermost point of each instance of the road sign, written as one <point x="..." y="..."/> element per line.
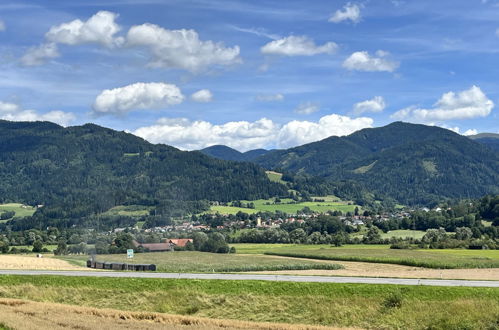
<point x="129" y="253"/>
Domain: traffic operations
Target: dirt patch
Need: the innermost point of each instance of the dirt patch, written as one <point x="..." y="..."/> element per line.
<point x="40" y="316"/>
<point x="34" y="263"/>
<point x="388" y="270"/>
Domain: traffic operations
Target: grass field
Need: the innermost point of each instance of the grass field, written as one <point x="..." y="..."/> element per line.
<point x="20" y="209"/>
<point x="202" y="262"/>
<point x="52" y="316"/>
<point x="444" y="259"/>
<point x="288" y="206"/>
<point x="416" y="234"/>
<point x="275" y="177"/>
<point x="340" y="305"/>
<point x="129" y="210"/>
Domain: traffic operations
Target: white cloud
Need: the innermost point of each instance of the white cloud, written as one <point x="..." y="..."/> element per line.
<point x="3" y="27"/>
<point x="300" y="132"/>
<point x="244" y="135"/>
<point x="349" y="12"/>
<point x="467" y="104"/>
<point x="297" y="46"/>
<point x="307" y="108"/>
<point x="137" y="96"/>
<point x="100" y="28"/>
<point x="203" y="96"/>
<point x="362" y="61"/>
<point x="181" y="48"/>
<point x="457" y="130"/>
<point x="269" y="97"/>
<point x="14" y="112"/>
<point x="470" y="131"/>
<point x="39" y="55"/>
<point x="377" y="104"/>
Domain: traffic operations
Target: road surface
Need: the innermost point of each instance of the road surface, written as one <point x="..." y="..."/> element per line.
<point x="258" y="277"/>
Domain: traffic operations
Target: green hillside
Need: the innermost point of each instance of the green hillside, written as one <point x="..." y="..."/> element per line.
<point x="409" y="163"/>
<point x="83" y="170"/>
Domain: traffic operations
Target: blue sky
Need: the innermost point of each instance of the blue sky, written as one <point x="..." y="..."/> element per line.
<point x="250" y="74"/>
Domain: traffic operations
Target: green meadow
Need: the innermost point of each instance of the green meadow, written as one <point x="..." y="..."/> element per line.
<point x="441" y="259"/>
<point x="204" y="262"/>
<point x="21" y="210"/>
<point x="329" y="304"/>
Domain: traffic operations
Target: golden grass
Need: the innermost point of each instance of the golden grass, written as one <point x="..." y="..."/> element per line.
<point x="31" y="262"/>
<point x="28" y="315"/>
<point x="396" y="271"/>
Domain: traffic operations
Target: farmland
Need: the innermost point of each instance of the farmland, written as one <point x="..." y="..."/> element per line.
<point x="339" y="305"/>
<point x="20" y="210"/>
<point x="287" y="205"/>
<point x="445" y="259"/>
<point x="202" y="262"/>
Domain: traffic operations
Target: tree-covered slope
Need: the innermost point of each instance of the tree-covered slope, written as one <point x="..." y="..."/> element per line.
<point x="92" y="169"/>
<point x="407" y="162"/>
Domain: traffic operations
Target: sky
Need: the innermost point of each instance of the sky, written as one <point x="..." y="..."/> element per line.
<point x="250" y="74"/>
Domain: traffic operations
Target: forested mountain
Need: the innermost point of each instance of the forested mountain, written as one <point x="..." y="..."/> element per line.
<point x="489" y="139"/>
<point x="410" y="163"/>
<point x="82" y="170"/>
<point x="227" y="153"/>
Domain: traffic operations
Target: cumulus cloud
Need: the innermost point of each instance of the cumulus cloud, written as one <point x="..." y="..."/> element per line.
<point x="376" y="104"/>
<point x="3" y="27"/>
<point x="203" y="96"/>
<point x="457" y="130"/>
<point x="244" y="135"/>
<point x="269" y="97"/>
<point x="137" y="96"/>
<point x="39" y="55"/>
<point x="297" y="46"/>
<point x="350" y="12"/>
<point x="307" y="108"/>
<point x="362" y="61"/>
<point x="101" y="28"/>
<point x="467" y="104"/>
<point x="14" y="112"/>
<point x="181" y="48"/>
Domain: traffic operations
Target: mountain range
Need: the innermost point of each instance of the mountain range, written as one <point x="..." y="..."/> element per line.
<point x="83" y="170"/>
<point x="407" y="162"/>
<point x="489" y="139"/>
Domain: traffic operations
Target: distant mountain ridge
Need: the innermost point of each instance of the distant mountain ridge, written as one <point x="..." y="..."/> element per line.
<point x="489" y="139"/>
<point x="408" y="162"/>
<point x="227" y="153"/>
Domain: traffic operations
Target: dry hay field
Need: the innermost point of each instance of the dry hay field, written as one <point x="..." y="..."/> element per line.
<point x="31" y="262"/>
<point x="366" y="269"/>
<point x="29" y="315"/>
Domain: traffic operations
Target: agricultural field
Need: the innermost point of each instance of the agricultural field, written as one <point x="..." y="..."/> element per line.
<point x="326" y="304"/>
<point x="416" y="234"/>
<point x="203" y="262"/>
<point x="129" y="210"/>
<point x="443" y="259"/>
<point x="31" y="262"/>
<point x="289" y="206"/>
<point x="21" y="210"/>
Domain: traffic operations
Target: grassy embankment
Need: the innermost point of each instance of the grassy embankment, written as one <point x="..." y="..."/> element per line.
<point x="442" y="259"/>
<point x="203" y="262"/>
<point x="343" y="305"/>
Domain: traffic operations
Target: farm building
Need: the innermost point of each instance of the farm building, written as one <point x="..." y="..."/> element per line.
<point x="166" y="245"/>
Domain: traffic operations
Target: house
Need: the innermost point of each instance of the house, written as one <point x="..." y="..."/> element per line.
<point x="180" y="242"/>
<point x="154" y="247"/>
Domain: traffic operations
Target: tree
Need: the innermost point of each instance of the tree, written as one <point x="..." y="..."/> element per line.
<point x="199" y="239"/>
<point x="463" y="233"/>
<point x="37" y="246"/>
<point x="62" y="248"/>
<point x="373" y="235"/>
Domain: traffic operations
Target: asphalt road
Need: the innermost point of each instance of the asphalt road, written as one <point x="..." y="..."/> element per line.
<point x="258" y="277"/>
